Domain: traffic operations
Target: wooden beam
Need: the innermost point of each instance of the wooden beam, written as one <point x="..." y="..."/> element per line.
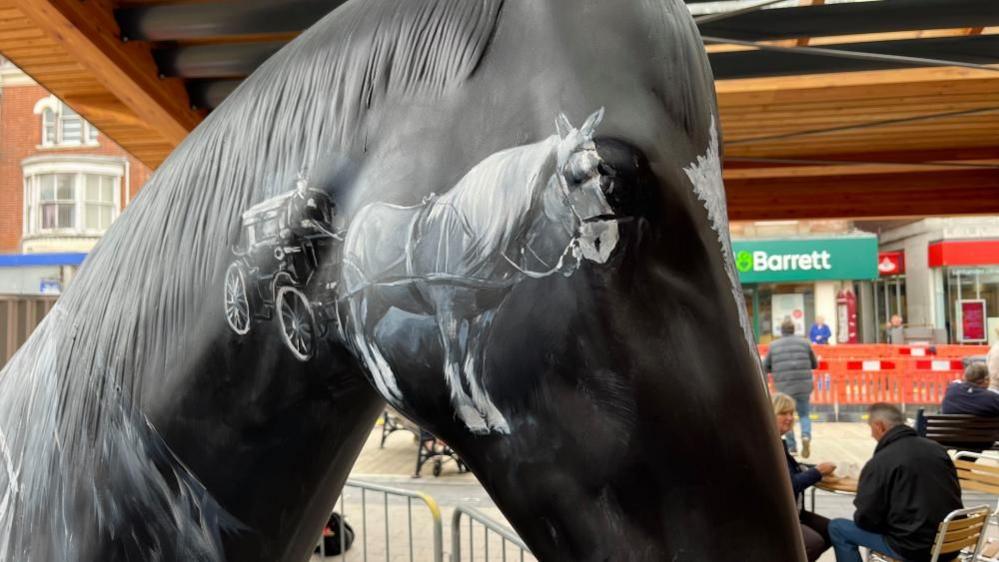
<point x="803" y="41"/>
<point x="86" y="28"/>
<point x="913" y="194"/>
<point x="103" y="108"/>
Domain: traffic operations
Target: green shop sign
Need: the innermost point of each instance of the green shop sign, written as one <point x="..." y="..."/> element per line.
<point x="806" y="259"/>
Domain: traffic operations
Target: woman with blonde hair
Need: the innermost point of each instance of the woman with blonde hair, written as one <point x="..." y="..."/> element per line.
<point x="814" y="528"/>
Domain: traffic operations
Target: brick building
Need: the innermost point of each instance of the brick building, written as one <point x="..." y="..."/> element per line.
<point x="62" y="183"/>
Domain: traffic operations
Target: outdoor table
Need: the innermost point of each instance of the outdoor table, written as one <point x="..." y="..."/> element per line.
<point x="836" y="485"/>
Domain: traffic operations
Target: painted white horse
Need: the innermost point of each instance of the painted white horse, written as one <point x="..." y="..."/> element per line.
<point x="528" y="211"/>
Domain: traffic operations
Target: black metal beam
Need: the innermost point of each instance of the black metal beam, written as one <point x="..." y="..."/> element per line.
<point x="227" y="60"/>
<point x="179" y="22"/>
<point x="855" y="18"/>
<point x="975" y="49"/>
<point x="210" y="93"/>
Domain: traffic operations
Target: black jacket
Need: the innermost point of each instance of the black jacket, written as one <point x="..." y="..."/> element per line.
<point x="791" y="360"/>
<point x="905" y="491"/>
<point x="801" y="477"/>
<point x="966" y="398"/>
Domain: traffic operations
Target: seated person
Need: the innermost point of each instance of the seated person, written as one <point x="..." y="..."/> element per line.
<point x="309" y="210"/>
<point x="904" y="492"/>
<point x="972" y="395"/>
<point x="814" y="528"/>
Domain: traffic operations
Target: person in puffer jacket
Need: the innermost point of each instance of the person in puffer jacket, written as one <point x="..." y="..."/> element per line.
<point x="791" y="361"/>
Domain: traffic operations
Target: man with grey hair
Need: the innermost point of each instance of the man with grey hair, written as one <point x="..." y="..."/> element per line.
<point x="971" y="396"/>
<point x="904" y="492"/>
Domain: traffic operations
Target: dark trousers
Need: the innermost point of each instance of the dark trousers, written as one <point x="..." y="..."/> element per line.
<point x="815" y="530"/>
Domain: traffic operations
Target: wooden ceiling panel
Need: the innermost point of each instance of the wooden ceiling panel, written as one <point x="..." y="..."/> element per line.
<point x="822" y="145"/>
<point x="73" y="48"/>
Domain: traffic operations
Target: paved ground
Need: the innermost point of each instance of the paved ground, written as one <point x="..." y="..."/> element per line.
<point x="843" y="443"/>
<point x="847" y="444"/>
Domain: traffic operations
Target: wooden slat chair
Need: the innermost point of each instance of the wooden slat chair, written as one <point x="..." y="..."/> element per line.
<point x="959" y="431"/>
<point x="961" y="530"/>
<point x="979" y="477"/>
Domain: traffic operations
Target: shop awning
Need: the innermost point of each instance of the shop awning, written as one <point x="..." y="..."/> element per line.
<point x="964" y="252"/>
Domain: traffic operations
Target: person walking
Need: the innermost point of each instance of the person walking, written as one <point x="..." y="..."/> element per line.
<point x="791" y="361"/>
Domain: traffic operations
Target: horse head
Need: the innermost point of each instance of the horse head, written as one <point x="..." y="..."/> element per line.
<point x="582" y="182"/>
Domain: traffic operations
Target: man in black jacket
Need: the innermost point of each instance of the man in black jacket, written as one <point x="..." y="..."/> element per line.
<point x="905" y="491"/>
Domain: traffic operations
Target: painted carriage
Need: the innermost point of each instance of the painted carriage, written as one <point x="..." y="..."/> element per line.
<point x="285" y="264"/>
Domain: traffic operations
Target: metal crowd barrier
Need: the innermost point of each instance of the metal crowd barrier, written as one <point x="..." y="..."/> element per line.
<point x="504" y="535"/>
<point x="385" y="493"/>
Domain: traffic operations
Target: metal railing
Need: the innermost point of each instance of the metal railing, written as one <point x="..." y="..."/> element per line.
<point x="506" y="537"/>
<point x="19" y="316"/>
<point x="400" y="499"/>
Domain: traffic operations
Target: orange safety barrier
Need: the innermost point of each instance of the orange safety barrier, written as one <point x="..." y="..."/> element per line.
<point x="959" y="351"/>
<point x="917" y="350"/>
<point x="823" y="391"/>
<point x="889" y="351"/>
<point x="927" y="379"/>
<point x="867" y="382"/>
<point x="854" y="376"/>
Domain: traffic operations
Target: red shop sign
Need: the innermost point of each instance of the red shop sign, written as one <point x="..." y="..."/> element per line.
<point x="891" y="263"/>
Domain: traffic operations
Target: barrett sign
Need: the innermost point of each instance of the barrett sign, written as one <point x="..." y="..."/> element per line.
<point x="809" y="259"/>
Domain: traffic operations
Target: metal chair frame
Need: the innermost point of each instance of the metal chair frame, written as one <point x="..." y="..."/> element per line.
<point x="961" y="529"/>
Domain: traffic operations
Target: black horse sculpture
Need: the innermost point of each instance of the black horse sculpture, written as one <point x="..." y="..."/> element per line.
<point x="510" y="224"/>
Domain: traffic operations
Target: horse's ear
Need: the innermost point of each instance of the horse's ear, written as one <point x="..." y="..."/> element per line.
<point x="562" y="125"/>
<point x="592" y="122"/>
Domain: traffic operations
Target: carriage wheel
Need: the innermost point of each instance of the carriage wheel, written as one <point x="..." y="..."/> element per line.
<point x="237" y="304"/>
<point x="298" y="322"/>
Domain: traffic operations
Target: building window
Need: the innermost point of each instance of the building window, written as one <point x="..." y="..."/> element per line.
<point x="49" y="127"/>
<point x="98" y="201"/>
<point x="71" y="126"/>
<point x="61" y="126"/>
<point x="70" y="203"/>
<point x="57" y="201"/>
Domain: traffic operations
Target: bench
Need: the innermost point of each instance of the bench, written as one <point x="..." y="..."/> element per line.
<point x="430" y="447"/>
<point x="959" y="431"/>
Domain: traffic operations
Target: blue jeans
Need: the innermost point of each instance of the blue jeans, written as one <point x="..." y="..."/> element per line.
<point x="847" y="537"/>
<point x="803" y="408"/>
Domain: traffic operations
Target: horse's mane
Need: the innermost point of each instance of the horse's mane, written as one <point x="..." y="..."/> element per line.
<point x="136" y="312"/>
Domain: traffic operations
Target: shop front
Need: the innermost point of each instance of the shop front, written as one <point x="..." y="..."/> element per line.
<point x="804" y="279"/>
<point x="889" y="292"/>
<point x="969" y="271"/>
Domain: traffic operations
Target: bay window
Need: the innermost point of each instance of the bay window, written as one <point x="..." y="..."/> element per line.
<point x="71" y="196"/>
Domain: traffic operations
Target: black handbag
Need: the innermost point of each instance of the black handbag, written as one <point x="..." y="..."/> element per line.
<point x="337" y="536"/>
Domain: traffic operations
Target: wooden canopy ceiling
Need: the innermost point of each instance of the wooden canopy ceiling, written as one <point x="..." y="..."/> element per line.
<point x="871" y="109"/>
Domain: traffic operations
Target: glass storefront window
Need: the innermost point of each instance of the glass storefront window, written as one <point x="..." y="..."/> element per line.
<point x="779" y="301"/>
<point x="889" y="300"/>
<point x="965" y="283"/>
